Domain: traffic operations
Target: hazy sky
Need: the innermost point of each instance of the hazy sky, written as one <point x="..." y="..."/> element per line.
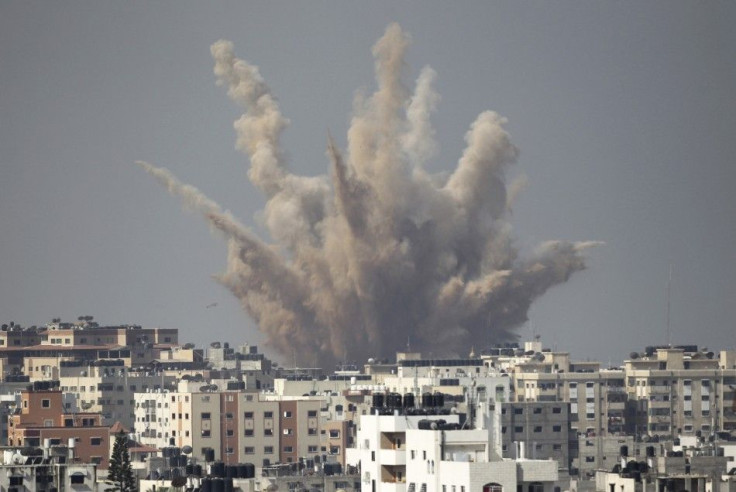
<point x="624" y="113"/>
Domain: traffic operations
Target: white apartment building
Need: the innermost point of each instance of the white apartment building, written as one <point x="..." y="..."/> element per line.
<point x="108" y="388"/>
<point x="430" y="453"/>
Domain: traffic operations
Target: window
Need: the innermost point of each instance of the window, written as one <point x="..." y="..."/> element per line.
<point x="251" y="450"/>
<point x="538" y="410"/>
<point x="228" y="416"/>
<point x="95" y="441"/>
<point x="205" y="415"/>
<point x="230" y="432"/>
<point x="312" y="413"/>
<point x="45" y="403"/>
<point x="248" y="415"/>
<point x="248" y="433"/>
<point x="519" y="428"/>
<point x="76" y="478"/>
<point x="556" y="428"/>
<point x="267" y="432"/>
<point x="268" y="450"/>
<point x="334" y="449"/>
<point x="311" y="449"/>
<point x="334" y="434"/>
<point x="228" y="450"/>
<point x="518" y="411"/>
<point x="287" y="414"/>
<point x="537" y="428"/>
<point x="267" y="415"/>
<point x="557" y="410"/>
<point x="288" y="432"/>
<point x="288" y="449"/>
<point x="206" y="433"/>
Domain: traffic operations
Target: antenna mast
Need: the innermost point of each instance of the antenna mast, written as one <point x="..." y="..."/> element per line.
<point x="669" y="288"/>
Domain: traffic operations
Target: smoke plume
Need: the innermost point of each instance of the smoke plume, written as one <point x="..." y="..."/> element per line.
<point x="379" y="252"/>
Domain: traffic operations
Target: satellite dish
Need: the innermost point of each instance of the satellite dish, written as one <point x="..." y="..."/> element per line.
<point x="18" y="459"/>
<point x="187" y="450"/>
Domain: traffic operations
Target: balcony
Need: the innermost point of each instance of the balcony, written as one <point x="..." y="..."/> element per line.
<point x="393" y="486"/>
<point x="392" y="457"/>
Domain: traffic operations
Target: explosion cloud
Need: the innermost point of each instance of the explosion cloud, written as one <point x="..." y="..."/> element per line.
<point x="382" y="252"/>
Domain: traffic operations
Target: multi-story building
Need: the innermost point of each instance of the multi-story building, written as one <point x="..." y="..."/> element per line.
<point x="239" y="426"/>
<point x="681" y="391"/>
<point x="433" y="453"/>
<point x="107" y="387"/>
<point x="45" y="471"/>
<point x="544" y="427"/>
<point x="42" y="420"/>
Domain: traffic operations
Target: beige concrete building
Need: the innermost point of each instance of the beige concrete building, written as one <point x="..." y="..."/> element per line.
<point x="681" y="391"/>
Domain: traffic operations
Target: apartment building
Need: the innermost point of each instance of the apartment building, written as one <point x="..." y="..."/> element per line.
<point x="83" y="340"/>
<point x="681" y="391"/>
<point x="46" y="471"/>
<point x="239" y="426"/>
<point x="544" y="427"/>
<point x="166" y="418"/>
<point x="597" y="397"/>
<point x="41" y="420"/>
<point x="431" y="453"/>
<point x="107" y="387"/>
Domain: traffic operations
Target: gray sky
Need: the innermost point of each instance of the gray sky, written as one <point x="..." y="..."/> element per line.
<point x="624" y="113"/>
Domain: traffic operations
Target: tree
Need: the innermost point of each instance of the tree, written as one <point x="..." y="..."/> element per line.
<point x="120" y="473"/>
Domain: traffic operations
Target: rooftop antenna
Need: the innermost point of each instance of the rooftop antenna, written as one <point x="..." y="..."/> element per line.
<point x="669" y="288"/>
<point x="408" y="343"/>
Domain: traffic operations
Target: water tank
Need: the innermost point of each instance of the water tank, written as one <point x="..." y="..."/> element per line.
<point x="218" y="485"/>
<point x="408" y="400"/>
<point x="197" y="470"/>
<point x="377" y="400"/>
<point x="427" y="400"/>
<point x="231" y="471"/>
<point x="228" y="482"/>
<point x="189" y="469"/>
<point x="250" y="470"/>
<point x="205" y="485"/>
<point x="217" y="469"/>
<point x="650" y="452"/>
<point x="394" y="400"/>
<point x="438" y="400"/>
